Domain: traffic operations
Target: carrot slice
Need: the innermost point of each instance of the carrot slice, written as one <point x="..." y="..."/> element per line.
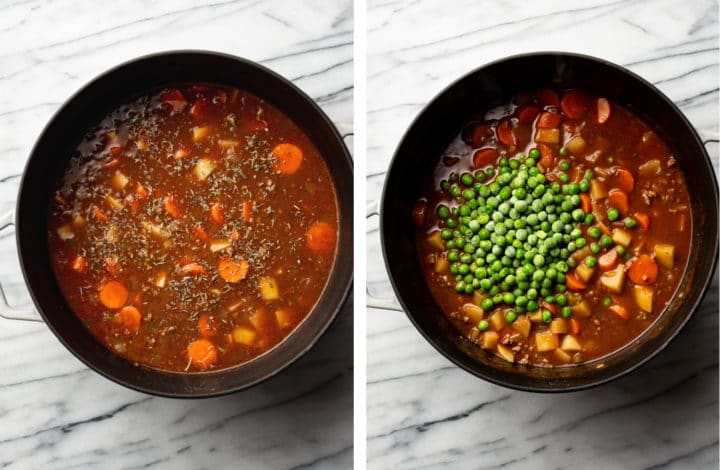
<point x="199" y="110"/>
<point x="479" y="135"/>
<point x="547" y="97"/>
<point x="233" y="271"/>
<point x="574" y="104"/>
<point x="620" y="311"/>
<point x="181" y="153"/>
<point x="204" y="326"/>
<point x="549" y="121"/>
<point x="484" y="156"/>
<point x="643" y="219"/>
<point x="552" y="307"/>
<point x="289" y="158"/>
<point x="585" y="203"/>
<point x="202" y="353"/>
<point x="100" y="215"/>
<point x="247" y="210"/>
<point x="141" y="191"/>
<point x="504" y="133"/>
<point x="574" y="327"/>
<point x="321" y="237"/>
<point x="574" y="283"/>
<point x="79" y="264"/>
<point x="527" y="113"/>
<point x="547" y="156"/>
<point x="113" y="294"/>
<point x="172" y="207"/>
<point x="603" y="110"/>
<point x="217" y="213"/>
<point x="619" y="200"/>
<point x="642" y="270"/>
<point x="625" y="180"/>
<point x="609" y="260"/>
<point x="172" y="95"/>
<point x="129" y="317"/>
<point x="201" y="234"/>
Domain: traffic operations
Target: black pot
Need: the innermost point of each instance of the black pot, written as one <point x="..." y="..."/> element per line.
<point x="57" y="143"/>
<point x="495" y="84"/>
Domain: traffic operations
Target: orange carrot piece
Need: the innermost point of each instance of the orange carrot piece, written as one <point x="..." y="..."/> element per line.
<point x="484" y="157"/>
<point x="201" y="234"/>
<point x="202" y="353"/>
<point x="233" y="271"/>
<point x="321" y="237"/>
<point x="585" y="203"/>
<point x="100" y="215"/>
<point x="129" y="317"/>
<point x="505" y="133"/>
<point x="480" y="133"/>
<point x="549" y="120"/>
<point x="193" y="268"/>
<point x="552" y="307"/>
<point x="172" y="96"/>
<point x="204" y="326"/>
<point x="172" y="207"/>
<point x="247" y="210"/>
<point x="79" y="264"/>
<point x="574" y="283"/>
<point x="642" y="270"/>
<point x="620" y="311"/>
<point x="527" y="113"/>
<point x="608" y="260"/>
<point x="113" y="294"/>
<point x="625" y="180"/>
<point x="619" y="200"/>
<point x="114" y="163"/>
<point x="547" y="156"/>
<point x="574" y="104"/>
<point x="199" y="110"/>
<point x="547" y="97"/>
<point x="114" y="150"/>
<point x="217" y="213"/>
<point x="643" y="219"/>
<point x="112" y="264"/>
<point x="289" y="158"/>
<point x="574" y="327"/>
<point x="181" y="153"/>
<point x="603" y="110"/>
<point x="141" y="190"/>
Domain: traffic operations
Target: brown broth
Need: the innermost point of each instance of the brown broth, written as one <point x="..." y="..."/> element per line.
<point x="165" y="188"/>
<point x="622" y="141"/>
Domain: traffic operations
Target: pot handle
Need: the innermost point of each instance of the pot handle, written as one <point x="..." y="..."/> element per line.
<point x="375" y="302"/>
<point x="6" y="311"/>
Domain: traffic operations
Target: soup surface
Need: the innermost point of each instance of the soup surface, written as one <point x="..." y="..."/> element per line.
<point x="556" y="228"/>
<point x="194" y="228"/>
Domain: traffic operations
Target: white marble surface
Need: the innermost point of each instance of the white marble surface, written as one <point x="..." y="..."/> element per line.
<point x="54" y="412"/>
<point x="424" y="412"/>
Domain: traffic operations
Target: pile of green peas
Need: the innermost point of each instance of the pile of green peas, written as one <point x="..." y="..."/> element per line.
<point x="513" y="233"/>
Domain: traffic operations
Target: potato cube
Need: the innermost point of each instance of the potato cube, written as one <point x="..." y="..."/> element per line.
<point x="558" y="326"/>
<point x="259" y="319"/>
<point x="576" y="145"/>
<point x="613" y="280"/>
<point x="570" y="343"/>
<point x="643" y="297"/>
<point x="522" y="325"/>
<point x="497" y="320"/>
<point x="489" y="340"/>
<point x="665" y="255"/>
<point x="535" y="317"/>
<point x="199" y="133"/>
<point x="283" y="317"/>
<point x="622" y="237"/>
<point x="505" y="353"/>
<point x="442" y="265"/>
<point x="120" y="180"/>
<point x="219" y="245"/>
<point x="116" y="204"/>
<point x="597" y="190"/>
<point x="548" y="136"/>
<point x="436" y="241"/>
<point x="562" y="356"/>
<point x="581" y="309"/>
<point x="584" y="272"/>
<point x="474" y="313"/>
<point x="546" y="341"/>
<point x="203" y="168"/>
<point x="244" y="336"/>
<point x="268" y="289"/>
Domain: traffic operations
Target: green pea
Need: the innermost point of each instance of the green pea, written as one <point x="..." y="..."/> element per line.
<point x="620" y="250"/>
<point x="467" y="179"/>
<point x="613" y="214"/>
<point x="460" y="287"/>
<point x="546" y="316"/>
<point x="606" y="241"/>
<point x="590" y="218"/>
<point x="607" y="301"/>
<point x="455" y="190"/>
<point x="443" y="212"/>
<point x="446" y="234"/>
<point x="594" y="232"/>
<point x="510" y="316"/>
<point x="580" y="243"/>
<point x="591" y="262"/>
<point x="532" y="305"/>
<point x="563" y="151"/>
<point x="594" y="248"/>
<point x="584" y="186"/>
<point x="483" y="325"/>
<point x="563" y="177"/>
<point x="630" y="222"/>
<point x="564" y="165"/>
<point x="561" y="300"/>
<point x="566" y="312"/>
<point x="534" y="154"/>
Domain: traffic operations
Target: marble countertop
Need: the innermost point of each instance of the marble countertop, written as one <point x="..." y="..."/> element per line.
<point x="424" y="412"/>
<point x="55" y="413"/>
